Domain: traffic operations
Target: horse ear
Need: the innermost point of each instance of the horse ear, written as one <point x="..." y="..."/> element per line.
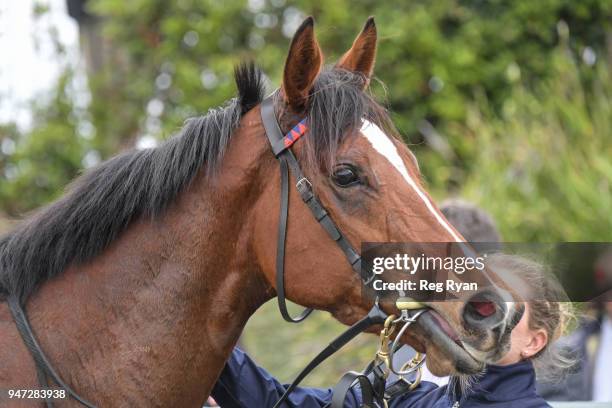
<point x="302" y="66"/>
<point x="360" y="58"/>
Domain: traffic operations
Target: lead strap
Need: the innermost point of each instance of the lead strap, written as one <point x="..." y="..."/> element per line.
<point x="375" y="316"/>
<point x="43" y="366"/>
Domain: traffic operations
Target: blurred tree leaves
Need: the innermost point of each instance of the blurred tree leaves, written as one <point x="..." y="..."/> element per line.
<point x="546" y="162"/>
<point x="153" y="63"/>
<point x="38" y="164"/>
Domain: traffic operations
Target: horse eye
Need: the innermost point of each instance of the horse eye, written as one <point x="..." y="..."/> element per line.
<point x="345" y="176"/>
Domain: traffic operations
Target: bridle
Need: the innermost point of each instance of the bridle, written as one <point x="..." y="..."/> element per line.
<point x="373" y="380"/>
<point x="281" y="147"/>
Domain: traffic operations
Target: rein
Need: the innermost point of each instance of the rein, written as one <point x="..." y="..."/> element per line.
<point x="372" y="381"/>
<point x="43" y="366"/>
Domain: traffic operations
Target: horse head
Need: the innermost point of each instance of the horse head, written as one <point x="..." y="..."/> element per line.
<point x="369" y="182"/>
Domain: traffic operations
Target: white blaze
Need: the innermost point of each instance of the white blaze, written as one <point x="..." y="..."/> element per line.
<point x="383" y="145"/>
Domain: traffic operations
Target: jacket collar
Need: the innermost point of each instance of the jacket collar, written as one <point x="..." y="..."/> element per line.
<point x="504" y="383"/>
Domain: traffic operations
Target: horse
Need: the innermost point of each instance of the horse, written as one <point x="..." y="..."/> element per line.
<point x="139" y="280"/>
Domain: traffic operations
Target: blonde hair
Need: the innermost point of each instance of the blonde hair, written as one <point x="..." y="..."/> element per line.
<point x="549" y="310"/>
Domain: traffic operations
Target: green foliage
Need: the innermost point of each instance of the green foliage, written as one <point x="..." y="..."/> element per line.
<point x="37" y="165"/>
<point x="153" y="63"/>
<point x="544" y="166"/>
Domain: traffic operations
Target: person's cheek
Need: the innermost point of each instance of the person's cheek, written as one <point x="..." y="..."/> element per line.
<point x="520" y="335"/>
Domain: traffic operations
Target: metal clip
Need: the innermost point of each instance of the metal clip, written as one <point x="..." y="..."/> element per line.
<point x="384" y="353"/>
<point x="417" y="364"/>
<point x="414" y="364"/>
<point x="386" y="348"/>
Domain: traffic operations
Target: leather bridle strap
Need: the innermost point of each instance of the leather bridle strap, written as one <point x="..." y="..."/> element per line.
<point x="43" y="366"/>
<point x="281" y="146"/>
<point x="375" y="316"/>
<point x="280" y="248"/>
<point x="344" y="386"/>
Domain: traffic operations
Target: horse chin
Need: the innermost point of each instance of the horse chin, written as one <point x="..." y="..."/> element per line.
<point x="446" y="355"/>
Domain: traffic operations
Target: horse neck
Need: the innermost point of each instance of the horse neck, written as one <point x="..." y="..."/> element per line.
<point x="163" y="306"/>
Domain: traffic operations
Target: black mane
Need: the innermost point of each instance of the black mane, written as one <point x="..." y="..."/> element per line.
<point x="100" y="205"/>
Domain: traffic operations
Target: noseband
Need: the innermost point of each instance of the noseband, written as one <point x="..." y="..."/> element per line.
<point x="281" y="147"/>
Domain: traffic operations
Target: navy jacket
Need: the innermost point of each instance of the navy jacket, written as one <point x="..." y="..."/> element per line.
<point x="243" y="384"/>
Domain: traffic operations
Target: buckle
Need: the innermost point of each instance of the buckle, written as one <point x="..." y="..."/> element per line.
<point x="303" y="186"/>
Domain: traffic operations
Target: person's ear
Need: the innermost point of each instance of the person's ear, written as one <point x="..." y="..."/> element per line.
<point x="303" y="64"/>
<point x="538" y="340"/>
<point x="362" y="55"/>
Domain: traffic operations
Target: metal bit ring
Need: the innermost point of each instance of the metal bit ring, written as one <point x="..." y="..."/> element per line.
<point x="417" y="365"/>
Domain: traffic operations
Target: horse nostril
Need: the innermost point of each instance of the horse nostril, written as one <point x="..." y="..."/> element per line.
<point x="482" y="308"/>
